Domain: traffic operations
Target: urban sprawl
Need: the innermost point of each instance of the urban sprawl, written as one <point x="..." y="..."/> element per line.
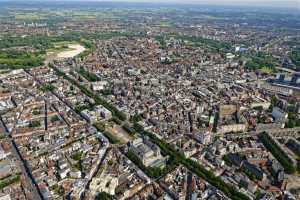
<point x="147" y="102"/>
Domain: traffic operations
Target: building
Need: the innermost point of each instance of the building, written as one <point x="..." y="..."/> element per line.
<point x="289" y="82"/>
<point x="98" y="85"/>
<point x="105" y="183"/>
<point x="276" y="89"/>
<point x="253" y="170"/>
<point x="203" y="138"/>
<point x="279" y="115"/>
<point x="97" y="114"/>
<point x="226" y="110"/>
<point x="148" y="153"/>
<point x="277" y="171"/>
<point x="232" y="128"/>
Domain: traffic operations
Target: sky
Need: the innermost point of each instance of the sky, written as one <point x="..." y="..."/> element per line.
<point x="267" y="3"/>
<point x="272" y="3"/>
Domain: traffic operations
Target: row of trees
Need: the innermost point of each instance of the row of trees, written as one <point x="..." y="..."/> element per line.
<point x="8" y="181"/>
<point x="153" y="172"/>
<point x="278" y="153"/>
<point x="47" y="88"/>
<point x="128" y="129"/>
<point x="87" y="75"/>
<point x="104" y="196"/>
<point x="193" y="166"/>
<point x="98" y="100"/>
<point x="80" y="108"/>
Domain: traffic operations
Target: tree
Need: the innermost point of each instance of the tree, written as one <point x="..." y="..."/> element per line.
<point x="104" y="196"/>
<point x="278" y="153"/>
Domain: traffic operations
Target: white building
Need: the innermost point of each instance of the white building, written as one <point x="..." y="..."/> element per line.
<point x="232" y="128"/>
<point x="99" y="113"/>
<point x="99" y="85"/>
<point x="279" y="115"/>
<point x="148" y="153"/>
<point x="105" y="183"/>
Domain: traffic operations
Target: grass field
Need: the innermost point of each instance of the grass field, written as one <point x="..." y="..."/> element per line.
<point x="267" y="70"/>
<point x="165" y="24"/>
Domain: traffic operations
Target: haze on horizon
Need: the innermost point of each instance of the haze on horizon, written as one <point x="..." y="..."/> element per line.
<point x="267" y="3"/>
<point x="272" y="3"/>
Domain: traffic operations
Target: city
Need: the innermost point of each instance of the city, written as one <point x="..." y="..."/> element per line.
<point x="106" y="100"/>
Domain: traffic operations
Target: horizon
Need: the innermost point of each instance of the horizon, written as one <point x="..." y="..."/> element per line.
<point x="289" y="4"/>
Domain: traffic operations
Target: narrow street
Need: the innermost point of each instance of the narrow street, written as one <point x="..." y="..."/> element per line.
<point x="24" y="166"/>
